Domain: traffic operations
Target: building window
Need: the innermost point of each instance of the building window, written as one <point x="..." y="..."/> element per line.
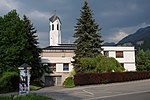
<point x="57" y="26"/>
<point x="52" y="66"/>
<point x="66" y="67"/>
<point x="52" y="26"/>
<point x="106" y="53"/>
<point x="119" y="54"/>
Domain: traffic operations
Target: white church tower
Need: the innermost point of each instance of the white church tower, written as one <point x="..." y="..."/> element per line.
<point x="55" y="31"/>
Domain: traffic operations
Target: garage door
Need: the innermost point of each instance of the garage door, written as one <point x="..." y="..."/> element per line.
<point x="52" y="80"/>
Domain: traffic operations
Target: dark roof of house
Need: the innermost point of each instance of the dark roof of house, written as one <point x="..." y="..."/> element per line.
<point x="61" y="47"/>
<point x="53" y="18"/>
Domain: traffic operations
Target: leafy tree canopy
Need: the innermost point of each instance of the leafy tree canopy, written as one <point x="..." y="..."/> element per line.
<point x="12" y="42"/>
<point x="19" y="44"/>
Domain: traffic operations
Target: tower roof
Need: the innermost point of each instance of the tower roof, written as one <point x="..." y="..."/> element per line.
<point x="53" y="18"/>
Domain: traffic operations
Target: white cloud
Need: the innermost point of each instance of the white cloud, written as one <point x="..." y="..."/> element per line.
<point x="6" y="5"/>
<point x="38" y="15"/>
<point x="112" y="13"/>
<point x="119" y="33"/>
<point x="118" y="36"/>
<point x="43" y="38"/>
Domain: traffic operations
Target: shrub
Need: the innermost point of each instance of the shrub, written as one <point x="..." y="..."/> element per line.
<point x="88" y="64"/>
<point x="69" y="82"/>
<point x="72" y="73"/>
<point x="100" y="64"/>
<point x="87" y="78"/>
<point x="9" y="82"/>
<point x="108" y="64"/>
<point x="109" y="77"/>
<point x="34" y="88"/>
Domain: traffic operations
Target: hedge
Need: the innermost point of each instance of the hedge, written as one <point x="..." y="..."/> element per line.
<point x="9" y="82"/>
<point x="109" y="77"/>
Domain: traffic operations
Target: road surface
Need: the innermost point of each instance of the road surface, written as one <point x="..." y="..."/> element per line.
<point x="136" y="90"/>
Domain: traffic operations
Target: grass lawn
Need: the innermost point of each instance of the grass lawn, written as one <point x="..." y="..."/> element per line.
<point x="25" y="97"/>
<point x="34" y="88"/>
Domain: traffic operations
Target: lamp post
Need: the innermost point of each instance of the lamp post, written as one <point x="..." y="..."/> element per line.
<point x="24" y="81"/>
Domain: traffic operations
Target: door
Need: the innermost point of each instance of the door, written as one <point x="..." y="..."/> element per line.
<point x="52" y="80"/>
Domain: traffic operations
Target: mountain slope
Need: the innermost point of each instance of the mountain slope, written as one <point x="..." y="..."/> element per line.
<point x="140" y="39"/>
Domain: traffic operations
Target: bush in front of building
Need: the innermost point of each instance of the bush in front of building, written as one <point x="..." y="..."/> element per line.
<point x="108" y="64"/>
<point x="108" y="77"/>
<point x="69" y="82"/>
<point x="9" y="82"/>
<point x="100" y="64"/>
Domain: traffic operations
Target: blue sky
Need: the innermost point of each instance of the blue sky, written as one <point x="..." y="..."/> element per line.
<point x="117" y="18"/>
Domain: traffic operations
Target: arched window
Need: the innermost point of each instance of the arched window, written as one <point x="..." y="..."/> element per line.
<point x="57" y="26"/>
<point x="52" y="26"/>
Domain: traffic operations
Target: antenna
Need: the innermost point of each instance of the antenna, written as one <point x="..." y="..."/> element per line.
<point x="54" y="12"/>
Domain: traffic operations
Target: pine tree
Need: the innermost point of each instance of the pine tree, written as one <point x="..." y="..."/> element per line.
<point x="88" y="40"/>
<point x="32" y="49"/>
<point x="143" y="60"/>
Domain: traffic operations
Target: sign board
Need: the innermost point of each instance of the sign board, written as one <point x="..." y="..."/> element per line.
<point x="24" y="81"/>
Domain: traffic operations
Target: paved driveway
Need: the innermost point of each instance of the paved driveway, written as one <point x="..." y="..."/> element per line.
<point x="136" y="90"/>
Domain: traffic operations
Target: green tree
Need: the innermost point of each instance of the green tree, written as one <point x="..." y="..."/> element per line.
<point x="88" y="40"/>
<point x="19" y="44"/>
<point x="143" y="60"/>
<point x="12" y="42"/>
<point x="32" y="49"/>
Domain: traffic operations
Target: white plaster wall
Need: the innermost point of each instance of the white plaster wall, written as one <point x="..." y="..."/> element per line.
<point x="59" y="62"/>
<point x="59" y="67"/>
<point x="56" y="59"/>
<point x="117" y="48"/>
<point x="128" y="53"/>
<point x="130" y="67"/>
<point x="128" y="56"/>
<point x="128" y="59"/>
<point x="112" y="54"/>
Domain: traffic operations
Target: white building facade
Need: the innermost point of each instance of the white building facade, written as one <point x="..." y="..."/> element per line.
<point x="124" y="55"/>
<point x="59" y="57"/>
